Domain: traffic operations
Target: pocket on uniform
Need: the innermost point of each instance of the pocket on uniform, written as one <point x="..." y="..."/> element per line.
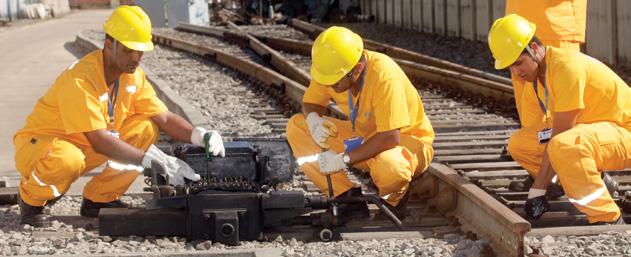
<point x="29" y="149"/>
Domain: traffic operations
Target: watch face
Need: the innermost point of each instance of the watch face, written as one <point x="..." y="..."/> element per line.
<point x="346" y="158"/>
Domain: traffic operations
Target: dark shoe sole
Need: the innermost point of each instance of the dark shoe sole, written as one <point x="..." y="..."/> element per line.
<point x="91" y="209"/>
<point x="90" y="213"/>
<point x="42" y="221"/>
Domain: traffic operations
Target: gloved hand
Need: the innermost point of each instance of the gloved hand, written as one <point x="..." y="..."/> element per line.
<point x="537" y="204"/>
<point x="330" y="162"/>
<point x="176" y="170"/>
<point x="320" y="129"/>
<point x="215" y="143"/>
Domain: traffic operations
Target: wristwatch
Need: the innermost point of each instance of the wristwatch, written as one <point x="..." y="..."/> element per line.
<point x="347" y="160"/>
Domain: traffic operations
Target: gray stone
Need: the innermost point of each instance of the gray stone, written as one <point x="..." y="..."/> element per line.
<point x="79" y="236"/>
<point x="205" y="245"/>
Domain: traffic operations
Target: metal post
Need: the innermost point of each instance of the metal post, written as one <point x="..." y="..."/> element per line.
<point x="9" y="10"/>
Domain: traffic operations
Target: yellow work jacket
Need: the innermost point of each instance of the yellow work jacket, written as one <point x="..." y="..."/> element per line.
<point x="579" y="82"/>
<point x="388" y="101"/>
<point x="562" y="20"/>
<point x="78" y="101"/>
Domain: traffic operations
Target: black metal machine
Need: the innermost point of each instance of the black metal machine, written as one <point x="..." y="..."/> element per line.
<point x="236" y="199"/>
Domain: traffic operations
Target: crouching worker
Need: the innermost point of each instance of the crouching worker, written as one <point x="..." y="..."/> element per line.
<point x="591" y="118"/>
<point x="101" y="109"/>
<point x="387" y="134"/>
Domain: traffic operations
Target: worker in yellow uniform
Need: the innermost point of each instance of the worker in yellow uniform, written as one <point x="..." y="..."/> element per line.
<point x="591" y="112"/>
<point x="387" y="133"/>
<point x="561" y="24"/>
<point x="101" y="109"/>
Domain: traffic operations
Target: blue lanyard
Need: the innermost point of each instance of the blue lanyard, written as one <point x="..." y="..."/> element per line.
<point x="352" y="111"/>
<point x="111" y="103"/>
<point x="544" y="108"/>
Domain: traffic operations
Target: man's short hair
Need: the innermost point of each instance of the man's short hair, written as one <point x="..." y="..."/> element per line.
<point x="535" y="40"/>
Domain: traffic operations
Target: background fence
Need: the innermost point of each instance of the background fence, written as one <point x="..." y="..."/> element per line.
<point x="606" y="37"/>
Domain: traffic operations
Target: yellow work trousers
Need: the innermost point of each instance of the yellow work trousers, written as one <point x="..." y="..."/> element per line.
<point x="580" y="154"/>
<point x="391" y="170"/>
<point x="524" y="145"/>
<point x="50" y="164"/>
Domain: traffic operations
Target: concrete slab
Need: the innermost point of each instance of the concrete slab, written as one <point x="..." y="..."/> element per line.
<point x="32" y="58"/>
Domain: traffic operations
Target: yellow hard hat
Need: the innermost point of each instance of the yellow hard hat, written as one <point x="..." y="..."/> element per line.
<point x="131" y="26"/>
<point x="508" y="38"/>
<point x="335" y="52"/>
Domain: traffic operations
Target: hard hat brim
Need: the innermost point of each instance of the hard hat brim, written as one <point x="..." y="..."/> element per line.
<point x="138" y="46"/>
<point x="326" y="80"/>
<point x="499" y="65"/>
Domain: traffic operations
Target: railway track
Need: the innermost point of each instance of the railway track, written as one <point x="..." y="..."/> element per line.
<point x="465" y="188"/>
<point x="466" y="198"/>
<point x="470" y="140"/>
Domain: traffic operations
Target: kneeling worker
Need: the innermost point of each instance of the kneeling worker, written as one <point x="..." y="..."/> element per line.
<point x="591" y="118"/>
<point x="388" y="132"/>
<point x="101" y="108"/>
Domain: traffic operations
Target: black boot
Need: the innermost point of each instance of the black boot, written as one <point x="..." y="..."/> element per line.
<point x="33" y="215"/>
<point x="555" y="191"/>
<point x="348" y="211"/>
<point x="400" y="210"/>
<point x="91" y="209"/>
<point x="521" y="186"/>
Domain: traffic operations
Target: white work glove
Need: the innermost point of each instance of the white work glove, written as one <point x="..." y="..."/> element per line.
<point x="320" y="129"/>
<point x="215" y="143"/>
<point x="331" y="162"/>
<point x="176" y="170"/>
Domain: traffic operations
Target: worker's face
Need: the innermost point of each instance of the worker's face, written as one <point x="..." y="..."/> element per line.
<point x="127" y="60"/>
<point x="524" y="68"/>
<point x="350" y="79"/>
<point x="345" y="83"/>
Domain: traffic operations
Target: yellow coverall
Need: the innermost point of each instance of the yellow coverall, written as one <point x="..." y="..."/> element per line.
<point x="51" y="149"/>
<point x="601" y="141"/>
<point x="561" y="24"/>
<point x="388" y="101"/>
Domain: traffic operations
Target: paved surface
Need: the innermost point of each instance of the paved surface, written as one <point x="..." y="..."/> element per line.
<point x="32" y="57"/>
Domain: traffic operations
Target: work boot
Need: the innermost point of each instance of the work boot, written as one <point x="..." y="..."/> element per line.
<point x="610" y="183"/>
<point x="521" y="186"/>
<point x="52" y="202"/>
<point x="555" y="191"/>
<point x="347" y="211"/>
<point x="619" y="221"/>
<point x="401" y="210"/>
<point x="91" y="209"/>
<point x="33" y="215"/>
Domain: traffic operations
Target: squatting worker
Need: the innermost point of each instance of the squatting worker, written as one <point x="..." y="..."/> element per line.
<point x="387" y="132"/>
<point x="101" y="108"/>
<point x="591" y="111"/>
<point x="561" y="24"/>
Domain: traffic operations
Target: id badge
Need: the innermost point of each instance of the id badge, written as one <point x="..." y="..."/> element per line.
<point x="544" y="135"/>
<point x="113" y="133"/>
<point x="352" y="143"/>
